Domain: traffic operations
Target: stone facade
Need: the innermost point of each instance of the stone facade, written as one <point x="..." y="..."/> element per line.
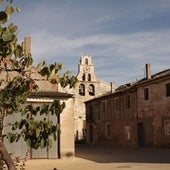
<point x="154" y="110"/>
<point x="87" y="87"/>
<point x="136" y="114"/>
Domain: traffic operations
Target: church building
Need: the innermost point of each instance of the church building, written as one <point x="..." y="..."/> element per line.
<point x="87" y="87"/>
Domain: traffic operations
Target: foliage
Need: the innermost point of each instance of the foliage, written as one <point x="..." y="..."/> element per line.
<point x="17" y="86"/>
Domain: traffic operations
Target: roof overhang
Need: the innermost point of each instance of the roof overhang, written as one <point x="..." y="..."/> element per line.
<point x="48" y="96"/>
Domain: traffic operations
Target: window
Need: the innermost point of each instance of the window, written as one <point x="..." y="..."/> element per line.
<point x="82" y="89"/>
<point x="89" y="77"/>
<point x="146" y="94"/>
<point x="128" y="103"/>
<point x="84" y="77"/>
<point x="108" y="130"/>
<point x="86" y="61"/>
<point x="116" y="104"/>
<point x="168" y="90"/>
<point x="167" y="127"/>
<point x="91" y="90"/>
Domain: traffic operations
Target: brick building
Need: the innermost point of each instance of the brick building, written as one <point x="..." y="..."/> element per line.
<point x="153" y="109"/>
<point x="111" y="118"/>
<point x="136" y="114"/>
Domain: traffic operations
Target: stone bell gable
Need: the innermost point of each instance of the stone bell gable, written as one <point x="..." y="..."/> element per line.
<point x="87" y="87"/>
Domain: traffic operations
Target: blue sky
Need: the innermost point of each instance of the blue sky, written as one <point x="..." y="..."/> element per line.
<point x="120" y="35"/>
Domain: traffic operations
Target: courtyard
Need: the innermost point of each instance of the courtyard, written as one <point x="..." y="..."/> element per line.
<point x="107" y="158"/>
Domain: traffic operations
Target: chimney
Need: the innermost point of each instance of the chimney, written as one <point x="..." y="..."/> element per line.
<point x="112" y="86"/>
<point x="148" y="71"/>
<point x="27" y="45"/>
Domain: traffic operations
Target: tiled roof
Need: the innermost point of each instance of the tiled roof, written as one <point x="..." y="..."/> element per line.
<point x="137" y="82"/>
<point x="161" y="74"/>
<point x="131" y="85"/>
<point x="50" y="94"/>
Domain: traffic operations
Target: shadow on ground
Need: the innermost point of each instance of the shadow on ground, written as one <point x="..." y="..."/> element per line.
<point x="103" y="154"/>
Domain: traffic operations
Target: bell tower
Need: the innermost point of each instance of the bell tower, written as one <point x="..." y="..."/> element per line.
<point x="86" y="69"/>
<point x="87" y="87"/>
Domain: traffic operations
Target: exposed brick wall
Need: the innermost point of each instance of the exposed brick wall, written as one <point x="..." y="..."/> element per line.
<point x="138" y="117"/>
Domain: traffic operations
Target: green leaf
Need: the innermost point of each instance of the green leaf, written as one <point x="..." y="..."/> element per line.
<point x="44" y="109"/>
<point x="9" y="10"/>
<point x="73" y="81"/>
<point x="6" y="36"/>
<point x="18" y="137"/>
<point x="42" y="144"/>
<point x="12" y="28"/>
<point x="31" y="123"/>
<point x="3" y="17"/>
<point x="29" y="60"/>
<point x="37" y="132"/>
<point x="59" y="66"/>
<point x="52" y="74"/>
<point x="8" y="135"/>
<point x="11" y="137"/>
<point x="28" y="142"/>
<point x="22" y="123"/>
<point x="40" y="65"/>
<point x="49" y="143"/>
<point x="54" y="129"/>
<point x="28" y="115"/>
<point x="54" y="136"/>
<point x="18" y="51"/>
<point x="15" y="126"/>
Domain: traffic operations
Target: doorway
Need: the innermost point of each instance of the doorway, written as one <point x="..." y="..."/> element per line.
<point x="91" y="134"/>
<point x="141" y="134"/>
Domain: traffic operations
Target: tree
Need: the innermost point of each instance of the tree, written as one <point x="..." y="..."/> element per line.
<point x="18" y="85"/>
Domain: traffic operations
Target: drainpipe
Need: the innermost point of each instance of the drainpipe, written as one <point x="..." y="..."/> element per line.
<point x="58" y="139"/>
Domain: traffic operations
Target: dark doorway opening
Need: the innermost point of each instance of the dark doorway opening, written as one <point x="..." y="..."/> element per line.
<point x="91" y="132"/>
<point x="141" y="135"/>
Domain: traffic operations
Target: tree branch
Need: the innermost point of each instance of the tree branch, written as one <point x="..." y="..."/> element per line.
<point x="4" y="155"/>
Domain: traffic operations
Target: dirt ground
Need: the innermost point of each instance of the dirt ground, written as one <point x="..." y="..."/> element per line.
<point x="96" y="157"/>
